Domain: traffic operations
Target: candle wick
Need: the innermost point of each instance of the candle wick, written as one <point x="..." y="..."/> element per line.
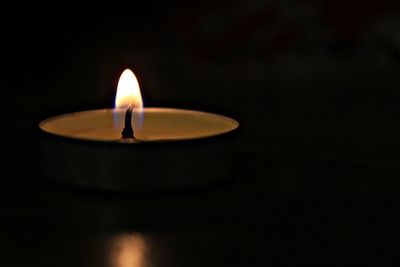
<point x="127" y="132"/>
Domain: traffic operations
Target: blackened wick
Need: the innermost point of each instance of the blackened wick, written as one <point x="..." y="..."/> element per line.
<point x="127" y="132"/>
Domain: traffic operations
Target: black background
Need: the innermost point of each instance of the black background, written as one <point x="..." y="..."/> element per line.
<point x="314" y="85"/>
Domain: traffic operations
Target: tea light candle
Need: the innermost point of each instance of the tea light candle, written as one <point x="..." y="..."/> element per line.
<point x="169" y="148"/>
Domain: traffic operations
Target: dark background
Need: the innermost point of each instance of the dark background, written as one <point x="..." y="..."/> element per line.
<point x="314" y="85"/>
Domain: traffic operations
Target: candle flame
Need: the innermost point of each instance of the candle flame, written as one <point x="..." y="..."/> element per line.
<point x="128" y="92"/>
<point x="128" y="95"/>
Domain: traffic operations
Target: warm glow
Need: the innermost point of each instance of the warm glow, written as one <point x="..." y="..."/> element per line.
<point x="128" y="92"/>
<point x="129" y="250"/>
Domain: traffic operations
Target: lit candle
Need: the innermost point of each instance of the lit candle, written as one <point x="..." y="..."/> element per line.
<point x="136" y="149"/>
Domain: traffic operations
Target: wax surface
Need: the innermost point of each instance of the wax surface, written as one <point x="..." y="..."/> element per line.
<point x="158" y="124"/>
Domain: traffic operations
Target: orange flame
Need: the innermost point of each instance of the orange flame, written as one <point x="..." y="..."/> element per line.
<point x="128" y="95"/>
<point x="128" y="92"/>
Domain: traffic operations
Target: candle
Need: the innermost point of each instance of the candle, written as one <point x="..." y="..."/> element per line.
<point x="136" y="149"/>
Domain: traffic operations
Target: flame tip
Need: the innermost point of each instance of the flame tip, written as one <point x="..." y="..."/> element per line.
<point x="127" y="70"/>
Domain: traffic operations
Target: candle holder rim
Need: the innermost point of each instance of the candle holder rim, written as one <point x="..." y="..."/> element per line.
<point x="200" y="140"/>
<point x="138" y="142"/>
